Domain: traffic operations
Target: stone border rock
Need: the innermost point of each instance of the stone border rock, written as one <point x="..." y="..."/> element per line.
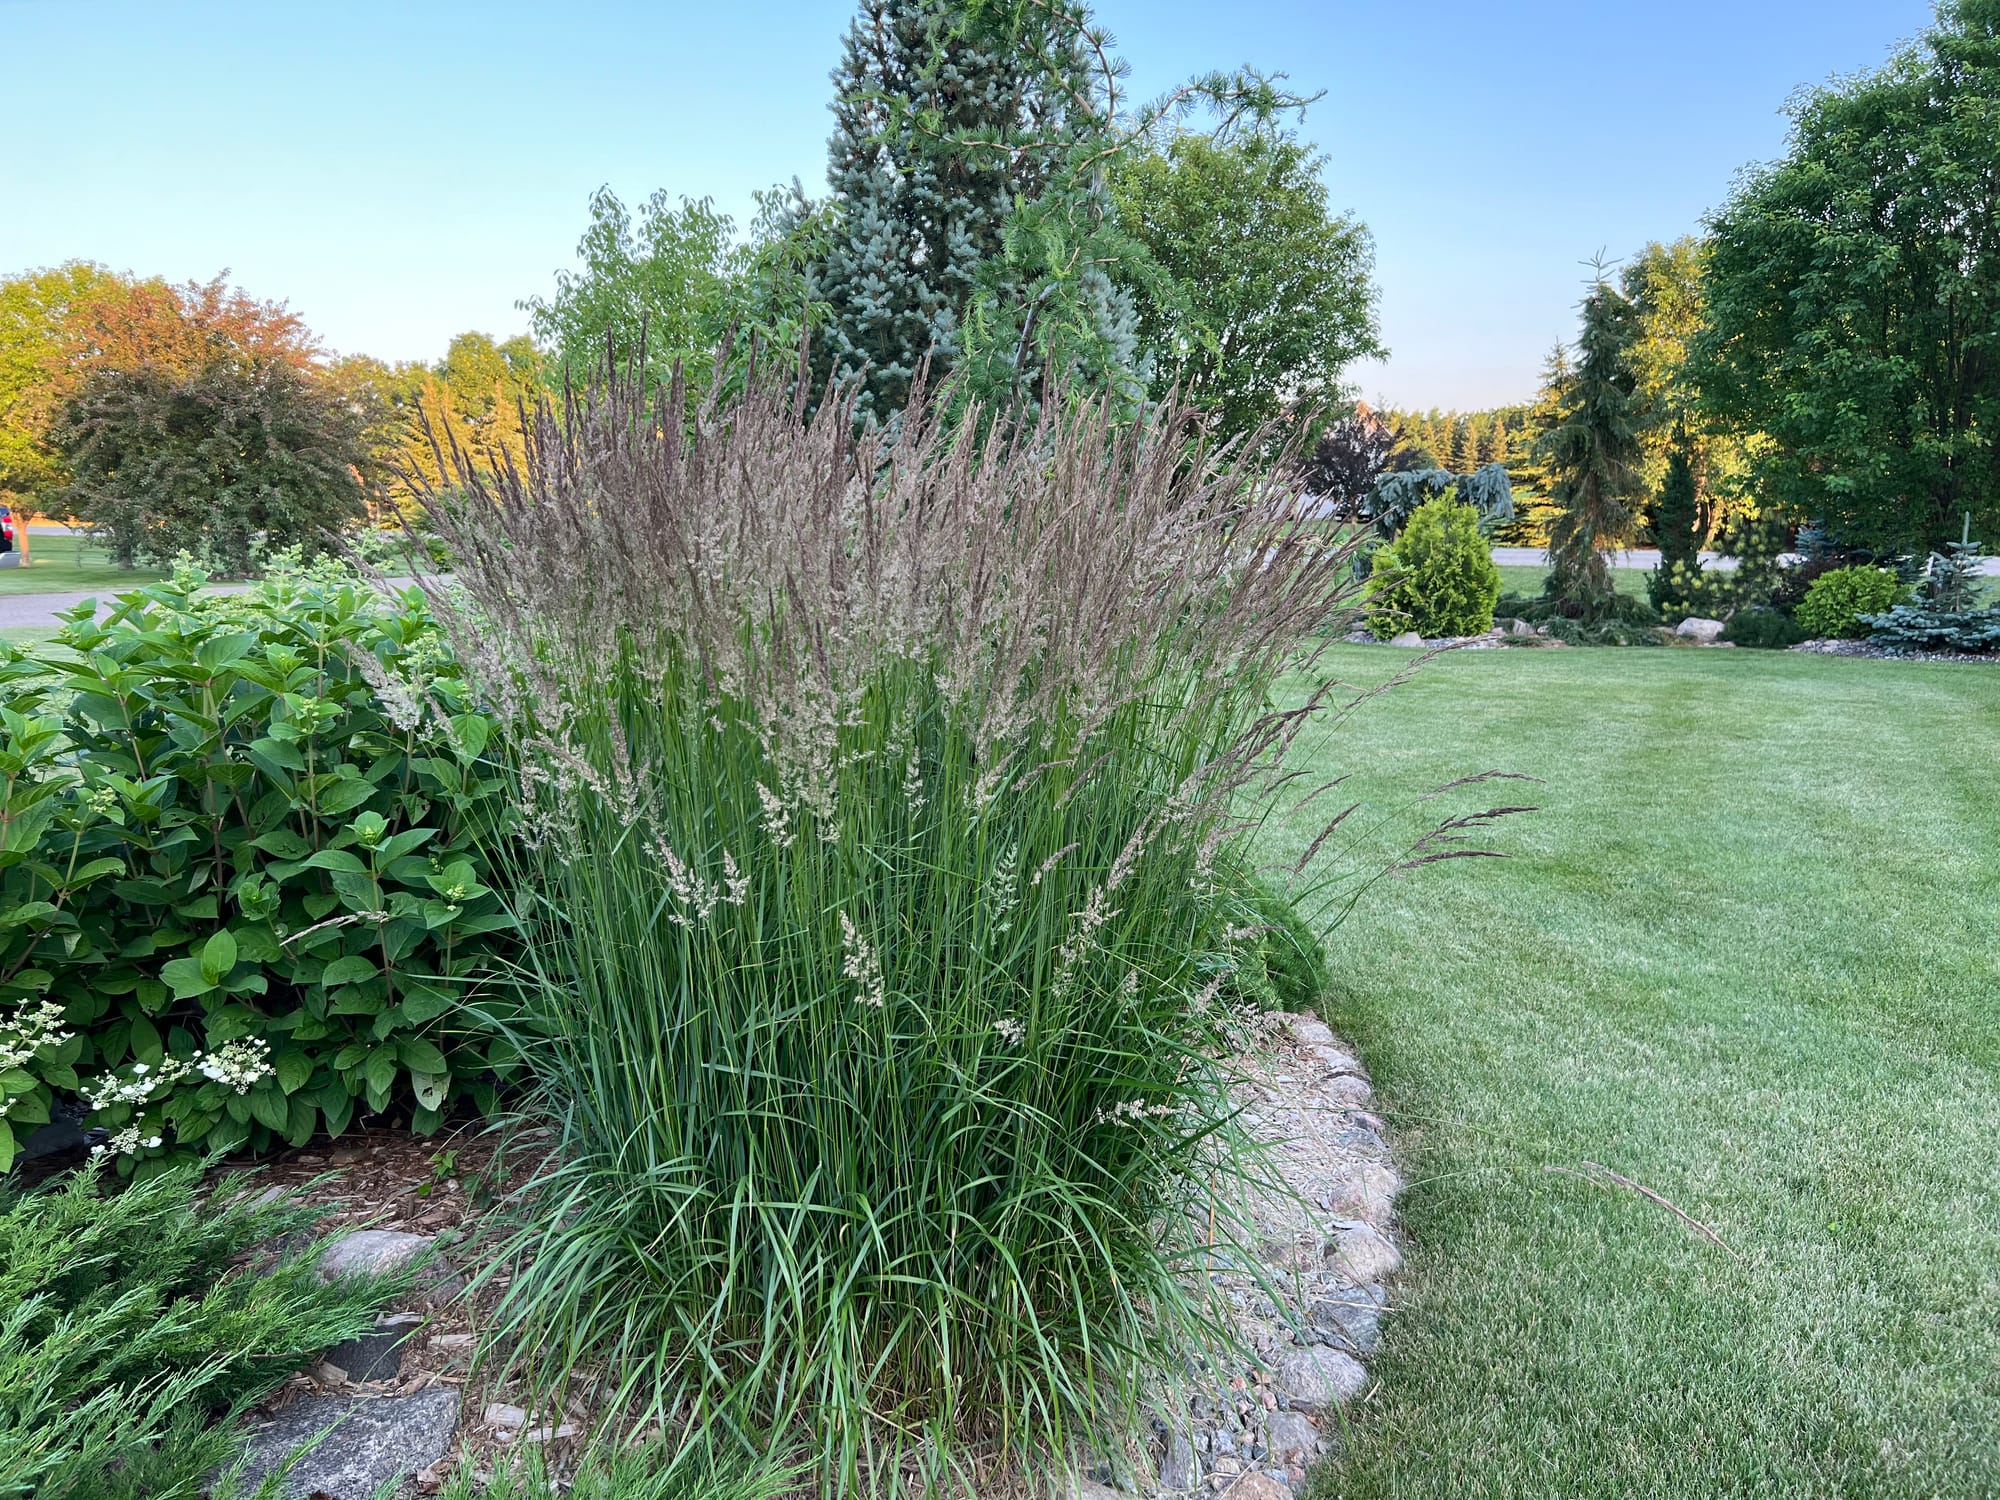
<point x="1314" y="1312"/>
<point x="1883" y="653"/>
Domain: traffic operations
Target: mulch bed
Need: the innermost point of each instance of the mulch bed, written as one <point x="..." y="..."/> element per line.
<point x="1882" y="653"/>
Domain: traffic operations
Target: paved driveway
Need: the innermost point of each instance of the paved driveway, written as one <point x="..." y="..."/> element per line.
<point x="1649" y="557"/>
<point x="17" y="610"/>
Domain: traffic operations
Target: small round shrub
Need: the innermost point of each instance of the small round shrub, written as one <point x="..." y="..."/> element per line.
<point x="1764" y="629"/>
<point x="1836" y="602"/>
<point x="1437" y="578"/>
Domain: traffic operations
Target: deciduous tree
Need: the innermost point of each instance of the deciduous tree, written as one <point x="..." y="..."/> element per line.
<point x="669" y="272"/>
<point x="1349" y="457"/>
<point x="1854" y="296"/>
<point x="1271" y="295"/>
<point x="237" y="456"/>
<point x="61" y="325"/>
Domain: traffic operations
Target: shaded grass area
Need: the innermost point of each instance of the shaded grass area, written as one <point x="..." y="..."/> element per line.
<point x="59" y="564"/>
<point x="1747" y="956"/>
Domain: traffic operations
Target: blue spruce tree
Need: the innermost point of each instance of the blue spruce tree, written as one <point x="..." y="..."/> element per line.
<point x="965" y="186"/>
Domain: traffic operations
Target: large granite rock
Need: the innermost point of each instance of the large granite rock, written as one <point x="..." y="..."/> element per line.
<point x="1364" y="1254"/>
<point x="367" y="1444"/>
<point x="371" y="1252"/>
<point x="1317" y="1378"/>
<point x="1291" y="1439"/>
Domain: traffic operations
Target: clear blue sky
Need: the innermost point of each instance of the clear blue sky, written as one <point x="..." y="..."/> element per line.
<point x="402" y="172"/>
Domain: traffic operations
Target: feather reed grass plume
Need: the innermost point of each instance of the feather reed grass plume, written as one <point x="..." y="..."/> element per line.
<point x="879" y="793"/>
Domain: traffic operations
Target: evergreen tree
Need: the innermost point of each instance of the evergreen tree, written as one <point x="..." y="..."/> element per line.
<point x="1463" y="453"/>
<point x="1592" y="456"/>
<point x="1677" y="521"/>
<point x="954" y="169"/>
<point x="1676" y="528"/>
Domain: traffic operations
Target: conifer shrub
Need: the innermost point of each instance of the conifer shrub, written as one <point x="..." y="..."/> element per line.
<point x="1686" y="588"/>
<point x="1437" y="577"/>
<point x="881" y="796"/>
<point x="1836" y="601"/>
<point x="135" y="1325"/>
<point x="1675" y="518"/>
<point x="1947" y="615"/>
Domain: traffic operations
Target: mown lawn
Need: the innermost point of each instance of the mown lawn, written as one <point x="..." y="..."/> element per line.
<point x="60" y="564"/>
<point x="1520" y="578"/>
<point x="1747" y="955"/>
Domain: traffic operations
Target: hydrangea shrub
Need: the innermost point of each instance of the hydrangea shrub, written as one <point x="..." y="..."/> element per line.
<point x="240" y="898"/>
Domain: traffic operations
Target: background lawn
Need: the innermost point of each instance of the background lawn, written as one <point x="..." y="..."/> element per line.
<point x="1519" y="578"/>
<point x="1747" y="955"/>
<point x="59" y="564"/>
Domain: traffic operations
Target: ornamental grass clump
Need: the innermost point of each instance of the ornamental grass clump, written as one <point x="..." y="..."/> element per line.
<point x="880" y="794"/>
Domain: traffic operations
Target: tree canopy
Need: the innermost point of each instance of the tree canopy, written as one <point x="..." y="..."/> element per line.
<point x="1854" y="297"/>
<point x="230" y="458"/>
<point x="1270" y="294"/>
<point x="60" y="326"/>
<point x="670" y="273"/>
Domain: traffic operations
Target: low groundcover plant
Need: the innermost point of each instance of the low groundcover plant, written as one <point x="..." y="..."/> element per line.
<point x="136" y="1324"/>
<point x="879" y="795"/>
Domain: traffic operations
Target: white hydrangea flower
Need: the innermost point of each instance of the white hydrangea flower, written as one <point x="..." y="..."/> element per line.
<point x="27" y="1031"/>
<point x="237" y="1064"/>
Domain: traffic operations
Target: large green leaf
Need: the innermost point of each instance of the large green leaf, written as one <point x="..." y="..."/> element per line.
<point x="353" y="969"/>
<point x="187" y="977"/>
<point x="218" y="956"/>
<point x="421" y="1056"/>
